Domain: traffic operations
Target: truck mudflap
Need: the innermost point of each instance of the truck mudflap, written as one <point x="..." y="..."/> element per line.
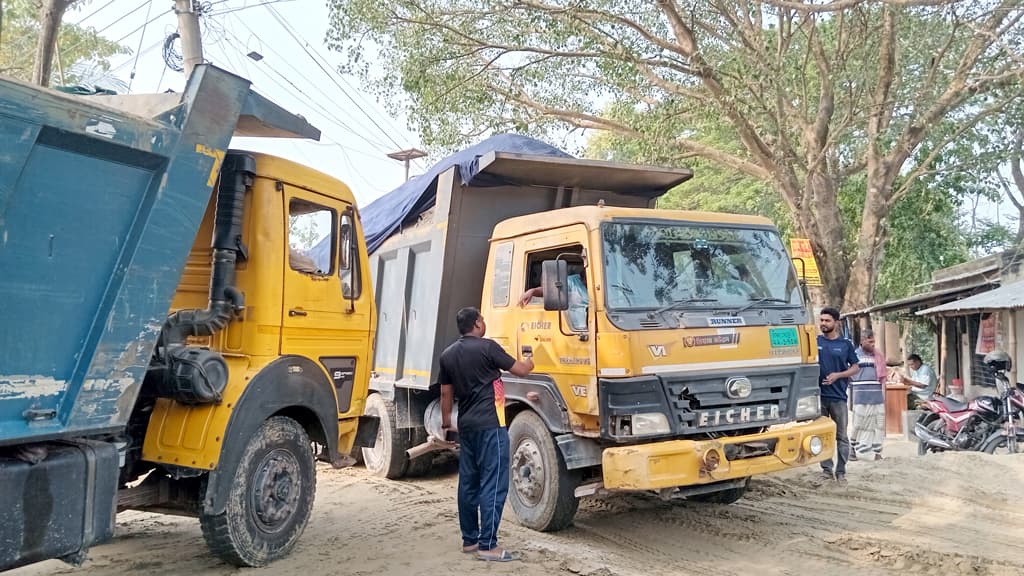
<point x="690" y="462"/>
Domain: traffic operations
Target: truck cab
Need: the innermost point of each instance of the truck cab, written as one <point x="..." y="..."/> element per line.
<point x="667" y="346"/>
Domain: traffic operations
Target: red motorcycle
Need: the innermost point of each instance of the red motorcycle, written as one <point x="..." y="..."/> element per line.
<point x="984" y="424"/>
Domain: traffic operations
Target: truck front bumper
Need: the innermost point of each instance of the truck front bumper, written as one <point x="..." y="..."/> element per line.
<point x="690" y="462"/>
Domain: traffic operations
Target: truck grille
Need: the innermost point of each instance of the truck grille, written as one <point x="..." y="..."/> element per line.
<point x="702" y="405"/>
<point x="698" y="404"/>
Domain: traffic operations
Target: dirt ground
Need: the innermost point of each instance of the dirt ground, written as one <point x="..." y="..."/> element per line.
<point x="955" y="514"/>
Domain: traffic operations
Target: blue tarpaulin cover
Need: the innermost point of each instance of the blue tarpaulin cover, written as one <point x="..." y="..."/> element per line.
<point x="385" y="215"/>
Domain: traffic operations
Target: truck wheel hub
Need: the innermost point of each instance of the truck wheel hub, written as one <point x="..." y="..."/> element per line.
<point x="528" y="472"/>
<point x="275" y="490"/>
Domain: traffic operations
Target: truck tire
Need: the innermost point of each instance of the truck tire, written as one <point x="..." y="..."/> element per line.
<point x="541" y="489"/>
<point x="270" y="500"/>
<point x="387" y="458"/>
<point x="727" y="496"/>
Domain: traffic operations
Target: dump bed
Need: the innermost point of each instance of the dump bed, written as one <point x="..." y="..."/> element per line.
<point x="435" y="264"/>
<point x="100" y="201"/>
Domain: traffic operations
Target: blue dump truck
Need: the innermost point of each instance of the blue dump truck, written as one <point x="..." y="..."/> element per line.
<point x="164" y="345"/>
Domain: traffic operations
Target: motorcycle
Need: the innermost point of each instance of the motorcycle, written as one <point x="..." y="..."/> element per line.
<point x="984" y="424"/>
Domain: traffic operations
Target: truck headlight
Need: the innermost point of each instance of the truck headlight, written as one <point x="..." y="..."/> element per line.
<point x="650" y="423"/>
<point x="808" y="407"/>
<point x="814" y="445"/>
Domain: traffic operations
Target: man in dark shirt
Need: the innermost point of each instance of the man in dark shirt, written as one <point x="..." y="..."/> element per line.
<point x="470" y="370"/>
<point x="837" y="362"/>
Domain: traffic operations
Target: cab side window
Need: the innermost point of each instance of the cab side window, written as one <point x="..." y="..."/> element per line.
<point x="579" y="299"/>
<point x="348" y="258"/>
<point x="311" y="238"/>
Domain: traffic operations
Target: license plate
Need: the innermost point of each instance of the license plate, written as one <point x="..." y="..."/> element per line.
<point x="783" y="337"/>
<point x="743" y="415"/>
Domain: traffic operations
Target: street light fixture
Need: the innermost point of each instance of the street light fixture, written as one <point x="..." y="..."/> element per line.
<point x="407" y="156"/>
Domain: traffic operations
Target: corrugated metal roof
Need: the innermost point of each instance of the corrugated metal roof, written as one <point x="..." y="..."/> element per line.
<point x="1009" y="297"/>
<point x="922" y="299"/>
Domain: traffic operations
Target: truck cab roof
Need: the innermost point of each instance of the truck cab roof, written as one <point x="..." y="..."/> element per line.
<point x="592" y="216"/>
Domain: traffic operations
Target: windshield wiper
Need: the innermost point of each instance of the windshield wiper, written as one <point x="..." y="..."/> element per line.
<point x="757" y="301"/>
<point x="678" y="303"/>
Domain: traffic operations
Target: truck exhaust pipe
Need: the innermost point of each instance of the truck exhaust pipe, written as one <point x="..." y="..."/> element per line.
<point x="225" y="298"/>
<point x="198" y="375"/>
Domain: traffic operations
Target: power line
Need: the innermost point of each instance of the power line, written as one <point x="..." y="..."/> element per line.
<point x="115" y="22"/>
<point x="149" y="49"/>
<point x="304" y="45"/>
<point x="240" y="8"/>
<point x="305" y="78"/>
<point x="131" y="77"/>
<point x="306" y="97"/>
<point x="94" y="12"/>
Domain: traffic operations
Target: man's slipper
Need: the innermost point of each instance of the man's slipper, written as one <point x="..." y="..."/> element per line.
<point x="505" y="556"/>
<point x="468" y="549"/>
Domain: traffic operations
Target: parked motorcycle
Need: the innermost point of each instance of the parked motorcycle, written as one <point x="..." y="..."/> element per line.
<point x="985" y="424"/>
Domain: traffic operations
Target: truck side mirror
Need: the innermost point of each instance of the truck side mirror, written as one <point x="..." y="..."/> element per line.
<point x="554" y="280"/>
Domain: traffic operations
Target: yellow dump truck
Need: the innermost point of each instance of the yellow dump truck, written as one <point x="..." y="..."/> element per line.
<point x="674" y="350"/>
<point x="185" y="326"/>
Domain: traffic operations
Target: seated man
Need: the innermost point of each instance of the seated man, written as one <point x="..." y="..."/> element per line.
<point x="922" y="381"/>
<point x="578" y="300"/>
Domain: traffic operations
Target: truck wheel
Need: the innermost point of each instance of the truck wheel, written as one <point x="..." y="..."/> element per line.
<point x="727" y="496"/>
<point x="387" y="458"/>
<point x="541" y="489"/>
<point x="270" y="499"/>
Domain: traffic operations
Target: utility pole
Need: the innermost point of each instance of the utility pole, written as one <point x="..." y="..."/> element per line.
<point x="188" y="30"/>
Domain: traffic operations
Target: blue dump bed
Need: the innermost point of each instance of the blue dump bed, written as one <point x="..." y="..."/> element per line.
<point x="100" y="201"/>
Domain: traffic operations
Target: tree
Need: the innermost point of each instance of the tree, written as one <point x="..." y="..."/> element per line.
<point x="51" y="13"/>
<point x="817" y="94"/>
<point x="82" y="51"/>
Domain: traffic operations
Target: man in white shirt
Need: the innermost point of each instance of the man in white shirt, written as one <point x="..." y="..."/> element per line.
<point x="922" y="381"/>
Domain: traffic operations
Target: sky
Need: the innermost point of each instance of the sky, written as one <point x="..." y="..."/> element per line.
<point x="298" y="73"/>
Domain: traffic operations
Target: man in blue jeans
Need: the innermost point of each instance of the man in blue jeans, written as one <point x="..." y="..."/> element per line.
<point x="470" y="370"/>
<point x="837" y="362"/>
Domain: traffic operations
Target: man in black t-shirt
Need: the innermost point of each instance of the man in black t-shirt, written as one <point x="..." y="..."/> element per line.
<point x="471" y="372"/>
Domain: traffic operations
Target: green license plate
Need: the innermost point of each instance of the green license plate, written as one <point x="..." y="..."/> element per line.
<point x="783" y="337"/>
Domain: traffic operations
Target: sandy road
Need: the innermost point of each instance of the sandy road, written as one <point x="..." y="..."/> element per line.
<point x="946" y="514"/>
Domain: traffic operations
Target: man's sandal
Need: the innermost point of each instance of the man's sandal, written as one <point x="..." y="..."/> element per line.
<point x="505" y="556"/>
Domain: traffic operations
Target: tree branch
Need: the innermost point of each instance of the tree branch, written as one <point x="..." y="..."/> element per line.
<point x="965" y="127"/>
<point x="839" y="5"/>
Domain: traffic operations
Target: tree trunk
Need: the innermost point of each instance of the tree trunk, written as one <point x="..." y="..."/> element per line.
<point x="870" y="246"/>
<point x="819" y="220"/>
<point x="50" y="15"/>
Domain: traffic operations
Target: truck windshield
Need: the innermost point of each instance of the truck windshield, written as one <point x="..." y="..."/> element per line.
<point x="668" y="265"/>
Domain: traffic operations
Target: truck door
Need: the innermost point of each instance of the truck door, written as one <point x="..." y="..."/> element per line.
<point x="326" y="313"/>
<point x="563" y="342"/>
